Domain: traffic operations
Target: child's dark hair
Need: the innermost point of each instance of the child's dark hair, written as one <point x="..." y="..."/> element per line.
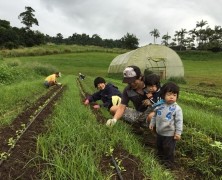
<point x="152" y="79"/>
<point x="99" y="80"/>
<point x="169" y="87"/>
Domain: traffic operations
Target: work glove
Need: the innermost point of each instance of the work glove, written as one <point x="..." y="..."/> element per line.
<point x="96" y="106"/>
<point x="86" y="102"/>
<point x="111" y="122"/>
<point x="59" y="84"/>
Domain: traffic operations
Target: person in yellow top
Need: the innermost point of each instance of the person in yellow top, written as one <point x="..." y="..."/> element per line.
<point x="51" y="80"/>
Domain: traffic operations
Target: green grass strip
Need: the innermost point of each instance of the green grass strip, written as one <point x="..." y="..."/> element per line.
<point x="76" y="141"/>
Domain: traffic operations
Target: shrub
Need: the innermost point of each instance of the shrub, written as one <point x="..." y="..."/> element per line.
<point x="11" y="74"/>
<point x="6" y="74"/>
<point x="10" y="45"/>
<point x="207" y="84"/>
<point x="13" y="63"/>
<point x="40" y="69"/>
<point x="13" y="71"/>
<point x="179" y="80"/>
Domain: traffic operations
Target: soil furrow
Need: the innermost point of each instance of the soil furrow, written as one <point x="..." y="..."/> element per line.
<point x="23" y="162"/>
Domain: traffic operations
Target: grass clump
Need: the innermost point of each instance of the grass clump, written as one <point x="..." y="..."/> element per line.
<point x="42" y="69"/>
<point x="200" y="153"/>
<point x="10" y="74"/>
<point x="14" y="71"/>
<point x="178" y="80"/>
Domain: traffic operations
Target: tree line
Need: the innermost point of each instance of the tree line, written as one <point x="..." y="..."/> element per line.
<point x="198" y="38"/>
<point x="13" y="37"/>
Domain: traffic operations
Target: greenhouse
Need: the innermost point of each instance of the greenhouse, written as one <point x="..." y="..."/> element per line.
<point x="159" y="59"/>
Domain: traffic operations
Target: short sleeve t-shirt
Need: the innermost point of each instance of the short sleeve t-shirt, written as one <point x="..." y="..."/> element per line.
<point x="51" y="78"/>
<point x="136" y="98"/>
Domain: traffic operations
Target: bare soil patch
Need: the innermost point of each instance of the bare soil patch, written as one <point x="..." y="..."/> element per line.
<point x="23" y="163"/>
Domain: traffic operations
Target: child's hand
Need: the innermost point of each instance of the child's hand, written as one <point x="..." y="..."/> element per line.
<point x="86" y="102"/>
<point x="96" y="106"/>
<point x="146" y="102"/>
<point x="177" y="137"/>
<point x="149" y="95"/>
<point x="151" y="127"/>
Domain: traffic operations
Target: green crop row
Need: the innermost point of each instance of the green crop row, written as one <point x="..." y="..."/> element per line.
<point x="210" y="103"/>
<point x="76" y="142"/>
<point x="198" y="149"/>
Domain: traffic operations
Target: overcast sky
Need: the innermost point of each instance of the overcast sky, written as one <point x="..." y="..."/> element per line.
<point x="112" y="19"/>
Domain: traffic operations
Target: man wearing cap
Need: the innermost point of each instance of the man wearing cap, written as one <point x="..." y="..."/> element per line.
<point x="52" y="80"/>
<point x="133" y="92"/>
<point x="108" y="93"/>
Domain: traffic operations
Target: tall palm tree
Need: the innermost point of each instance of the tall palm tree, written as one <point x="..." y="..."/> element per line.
<point x="182" y="33"/>
<point x="216" y="38"/>
<point x="201" y="24"/>
<point x="190" y="41"/>
<point x="217" y="29"/>
<point x="208" y="33"/>
<point x="177" y="36"/>
<point x="166" y="37"/>
<point x="155" y="33"/>
<point x="194" y="34"/>
<point x="181" y="37"/>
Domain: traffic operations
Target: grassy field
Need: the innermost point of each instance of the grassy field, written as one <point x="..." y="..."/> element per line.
<point x="74" y="129"/>
<point x="200" y="67"/>
<point x="88" y="63"/>
<point x="203" y="67"/>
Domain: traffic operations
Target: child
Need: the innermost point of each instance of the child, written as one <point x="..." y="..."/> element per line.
<point x="152" y="82"/>
<point x="108" y="93"/>
<point x="152" y="96"/>
<point x="168" y="120"/>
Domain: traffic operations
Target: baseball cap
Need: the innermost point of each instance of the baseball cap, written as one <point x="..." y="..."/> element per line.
<point x="131" y="73"/>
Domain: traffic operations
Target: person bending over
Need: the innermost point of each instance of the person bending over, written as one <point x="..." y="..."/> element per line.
<point x="108" y="93"/>
<point x="133" y="92"/>
<point x="51" y="80"/>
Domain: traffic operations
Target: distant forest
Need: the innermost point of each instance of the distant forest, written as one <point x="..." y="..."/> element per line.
<point x="198" y="38"/>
